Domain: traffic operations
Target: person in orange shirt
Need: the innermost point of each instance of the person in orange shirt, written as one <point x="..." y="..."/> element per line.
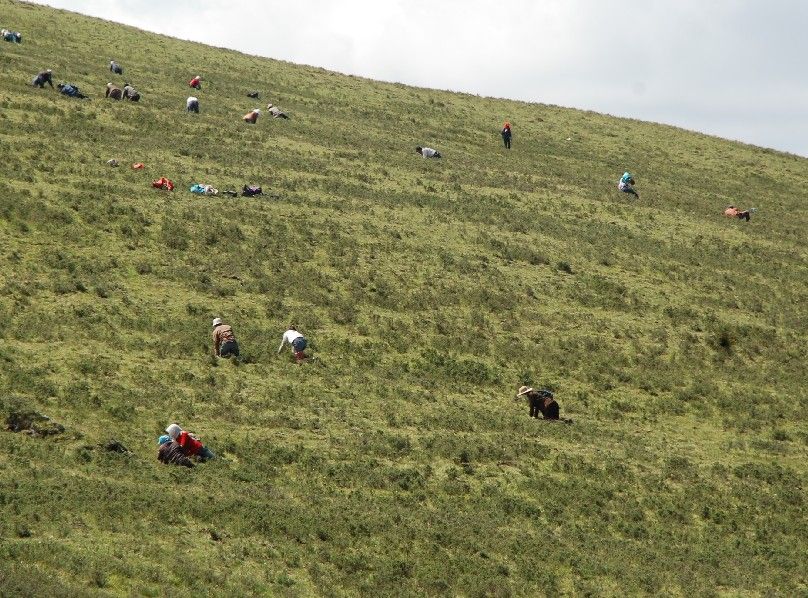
<point x="733" y="212"/>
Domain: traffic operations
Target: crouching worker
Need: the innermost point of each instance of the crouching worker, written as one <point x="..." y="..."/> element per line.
<point x="170" y="452"/>
<point x="113" y="92"/>
<point x="192" y="105"/>
<point x="626" y="184"/>
<point x="42" y="78"/>
<point x="733" y="212"/>
<point x="190" y="443"/>
<point x="276" y="112"/>
<point x="115" y="68"/>
<point x="130" y="93"/>
<point x="540" y="401"/>
<point x="297" y="341"/>
<point x="224" y="341"/>
<point x="427" y="152"/>
<point x="252" y="117"/>
<point x="71" y="91"/>
<point x="196" y="82"/>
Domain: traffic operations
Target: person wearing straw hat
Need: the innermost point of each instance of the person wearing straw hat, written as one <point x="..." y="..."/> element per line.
<point x="540" y="401"/>
<point x="224" y="341"/>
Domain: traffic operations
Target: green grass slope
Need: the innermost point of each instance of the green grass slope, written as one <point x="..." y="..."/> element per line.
<point x="396" y="462"/>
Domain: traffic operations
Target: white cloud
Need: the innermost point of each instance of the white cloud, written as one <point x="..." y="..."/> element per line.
<point x="728" y="67"/>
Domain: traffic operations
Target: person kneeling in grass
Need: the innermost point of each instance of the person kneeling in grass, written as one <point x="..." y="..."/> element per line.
<point x="733" y="212"/>
<point x="297" y="341"/>
<point x="224" y="341"/>
<point x="540" y="401"/>
<point x="427" y="152"/>
<point x="190" y="443"/>
<point x="170" y="452"/>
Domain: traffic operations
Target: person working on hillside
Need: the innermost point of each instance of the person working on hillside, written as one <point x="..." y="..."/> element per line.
<point x="113" y="92"/>
<point x="196" y="82"/>
<point x="224" y="341"/>
<point x="506" y="134"/>
<point x="71" y="91"/>
<point x="297" y="341"/>
<point x="626" y="184"/>
<point x="170" y="452"/>
<point x="276" y="112"/>
<point x="130" y="93"/>
<point x="192" y="104"/>
<point x="427" y="152"/>
<point x="11" y="36"/>
<point x="42" y="78"/>
<point x="115" y="68"/>
<point x="252" y="117"/>
<point x="540" y="401"/>
<point x="190" y="443"/>
<point x="733" y="212"/>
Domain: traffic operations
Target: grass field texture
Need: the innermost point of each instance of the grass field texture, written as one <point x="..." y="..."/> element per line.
<point x="395" y="462"/>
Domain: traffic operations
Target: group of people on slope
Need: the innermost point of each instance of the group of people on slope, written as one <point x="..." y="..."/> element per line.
<point x="128" y="92"/>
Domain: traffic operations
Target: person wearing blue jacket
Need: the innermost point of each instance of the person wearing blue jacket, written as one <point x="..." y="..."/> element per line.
<point x="626" y="184"/>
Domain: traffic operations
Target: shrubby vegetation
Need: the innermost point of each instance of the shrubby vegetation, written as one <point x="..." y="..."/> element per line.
<point x="396" y="462"/>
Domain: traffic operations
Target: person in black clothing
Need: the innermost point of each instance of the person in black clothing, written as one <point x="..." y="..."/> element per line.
<point x="170" y="452"/>
<point x="42" y="78"/>
<point x="540" y="401"/>
<point x="506" y="135"/>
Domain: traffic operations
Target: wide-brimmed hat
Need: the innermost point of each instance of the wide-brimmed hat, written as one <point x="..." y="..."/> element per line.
<point x="523" y="390"/>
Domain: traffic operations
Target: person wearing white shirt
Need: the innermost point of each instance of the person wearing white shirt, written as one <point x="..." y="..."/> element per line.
<point x="427" y="152"/>
<point x="297" y="341"/>
<point x="192" y="104"/>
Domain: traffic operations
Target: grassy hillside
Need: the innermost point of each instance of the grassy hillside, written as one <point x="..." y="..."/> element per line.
<point x="396" y="462"/>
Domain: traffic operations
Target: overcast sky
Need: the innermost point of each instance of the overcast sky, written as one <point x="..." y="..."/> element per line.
<point x="733" y="68"/>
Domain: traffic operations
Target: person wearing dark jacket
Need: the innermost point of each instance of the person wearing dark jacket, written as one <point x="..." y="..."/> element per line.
<point x="170" y="452"/>
<point x="116" y="68"/>
<point x="540" y="401"/>
<point x="506" y="135"/>
<point x="42" y="78"/>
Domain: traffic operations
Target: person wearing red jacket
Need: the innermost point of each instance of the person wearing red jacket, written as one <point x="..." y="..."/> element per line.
<point x="190" y="444"/>
<point x="196" y="82"/>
